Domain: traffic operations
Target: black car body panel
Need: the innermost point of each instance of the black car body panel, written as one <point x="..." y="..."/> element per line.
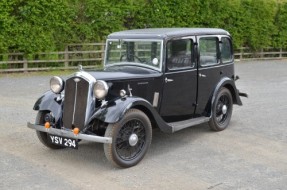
<point x="166" y="78"/>
<point x="48" y="102"/>
<point x="182" y="93"/>
<point x="124" y="73"/>
<point x="170" y="78"/>
<point x="229" y="84"/>
<point x="177" y="101"/>
<point x="165" y="33"/>
<point x="115" y="110"/>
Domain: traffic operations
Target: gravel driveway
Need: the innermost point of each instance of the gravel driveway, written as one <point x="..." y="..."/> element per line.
<point x="250" y="154"/>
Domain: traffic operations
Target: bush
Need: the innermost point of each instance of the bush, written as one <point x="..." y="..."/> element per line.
<point x="36" y="26"/>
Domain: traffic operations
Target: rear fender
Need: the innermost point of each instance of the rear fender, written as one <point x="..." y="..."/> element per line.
<point x="48" y="102"/>
<point x="230" y="85"/>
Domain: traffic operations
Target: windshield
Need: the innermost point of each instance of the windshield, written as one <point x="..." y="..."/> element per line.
<point x="144" y="53"/>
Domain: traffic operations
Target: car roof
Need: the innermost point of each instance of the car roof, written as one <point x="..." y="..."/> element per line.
<point x="163" y="33"/>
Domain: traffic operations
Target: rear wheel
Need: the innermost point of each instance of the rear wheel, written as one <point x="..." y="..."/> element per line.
<point x="131" y="138"/>
<point x="221" y="110"/>
<point x="42" y="136"/>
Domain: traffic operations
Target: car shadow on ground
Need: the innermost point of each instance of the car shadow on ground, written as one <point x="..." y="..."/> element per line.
<point x="162" y="144"/>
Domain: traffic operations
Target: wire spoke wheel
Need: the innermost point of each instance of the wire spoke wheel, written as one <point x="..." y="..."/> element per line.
<point x="131" y="138"/>
<point x="221" y="110"/>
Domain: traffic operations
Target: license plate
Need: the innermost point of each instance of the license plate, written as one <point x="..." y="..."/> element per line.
<point x="63" y="141"/>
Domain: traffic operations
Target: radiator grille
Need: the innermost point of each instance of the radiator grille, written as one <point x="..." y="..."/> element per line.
<point x="75" y="103"/>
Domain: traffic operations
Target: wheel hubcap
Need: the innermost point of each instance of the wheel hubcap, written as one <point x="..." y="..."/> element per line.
<point x="133" y="140"/>
<point x="224" y="109"/>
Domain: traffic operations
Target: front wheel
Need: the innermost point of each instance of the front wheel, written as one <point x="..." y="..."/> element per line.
<point x="131" y="138"/>
<point x="221" y="110"/>
<point x="42" y="136"/>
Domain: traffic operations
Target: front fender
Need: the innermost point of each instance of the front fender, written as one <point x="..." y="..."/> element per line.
<point x="114" y="111"/>
<point x="48" y="102"/>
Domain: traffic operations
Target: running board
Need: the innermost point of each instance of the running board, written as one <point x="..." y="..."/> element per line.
<point x="176" y="126"/>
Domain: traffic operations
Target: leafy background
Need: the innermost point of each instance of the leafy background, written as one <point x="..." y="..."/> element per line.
<point x="48" y="25"/>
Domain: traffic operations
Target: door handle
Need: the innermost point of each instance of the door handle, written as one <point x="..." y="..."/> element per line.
<point x="168" y="80"/>
<point x="201" y="75"/>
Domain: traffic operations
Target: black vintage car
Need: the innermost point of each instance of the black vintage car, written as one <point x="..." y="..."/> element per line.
<point x="167" y="78"/>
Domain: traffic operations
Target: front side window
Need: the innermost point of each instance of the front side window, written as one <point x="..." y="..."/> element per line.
<point x="180" y="54"/>
<point x="208" y="49"/>
<point x="145" y="53"/>
<point x="226" y="50"/>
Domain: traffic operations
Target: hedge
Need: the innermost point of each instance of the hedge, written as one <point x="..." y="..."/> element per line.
<point x="36" y="26"/>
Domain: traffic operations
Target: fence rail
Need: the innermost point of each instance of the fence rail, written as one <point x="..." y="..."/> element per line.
<point x="265" y="54"/>
<point x="91" y="55"/>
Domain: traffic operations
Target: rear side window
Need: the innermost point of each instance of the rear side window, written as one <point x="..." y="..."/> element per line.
<point x="208" y="49"/>
<point x="226" y="50"/>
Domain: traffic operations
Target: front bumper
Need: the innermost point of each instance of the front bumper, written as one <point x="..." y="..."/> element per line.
<point x="70" y="134"/>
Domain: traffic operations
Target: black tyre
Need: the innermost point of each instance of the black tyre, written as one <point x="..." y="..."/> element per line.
<point x="42" y="136"/>
<point x="131" y="139"/>
<point x="221" y="110"/>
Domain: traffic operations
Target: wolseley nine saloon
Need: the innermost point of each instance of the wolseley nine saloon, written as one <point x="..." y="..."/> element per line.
<point x="166" y="78"/>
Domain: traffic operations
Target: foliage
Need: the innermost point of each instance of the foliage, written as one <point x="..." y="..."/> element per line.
<point x="280" y="37"/>
<point x="34" y="26"/>
<point x="259" y="22"/>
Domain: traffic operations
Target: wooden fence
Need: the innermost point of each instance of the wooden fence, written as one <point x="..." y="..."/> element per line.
<point x="245" y="53"/>
<point x="91" y="55"/>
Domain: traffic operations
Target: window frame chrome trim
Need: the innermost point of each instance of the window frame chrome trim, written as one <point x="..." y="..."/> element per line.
<point x="137" y="39"/>
<point x="198" y="50"/>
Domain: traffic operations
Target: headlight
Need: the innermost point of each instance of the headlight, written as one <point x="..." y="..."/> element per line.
<point x="56" y="84"/>
<point x="101" y="89"/>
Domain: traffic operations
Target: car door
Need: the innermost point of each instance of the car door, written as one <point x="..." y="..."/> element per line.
<point x="211" y="69"/>
<point x="180" y="80"/>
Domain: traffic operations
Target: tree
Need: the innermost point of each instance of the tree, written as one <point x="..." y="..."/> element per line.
<point x="33" y="26"/>
<point x="280" y="37"/>
<point x="258" y="23"/>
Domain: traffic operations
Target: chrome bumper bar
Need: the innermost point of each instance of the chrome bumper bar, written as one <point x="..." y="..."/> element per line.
<point x="70" y="134"/>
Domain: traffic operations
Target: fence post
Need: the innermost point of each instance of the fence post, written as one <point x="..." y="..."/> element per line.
<point x="262" y="53"/>
<point x="280" y="54"/>
<point x="241" y="53"/>
<point x="25" y="65"/>
<point x="66" y="62"/>
<point x="103" y="53"/>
